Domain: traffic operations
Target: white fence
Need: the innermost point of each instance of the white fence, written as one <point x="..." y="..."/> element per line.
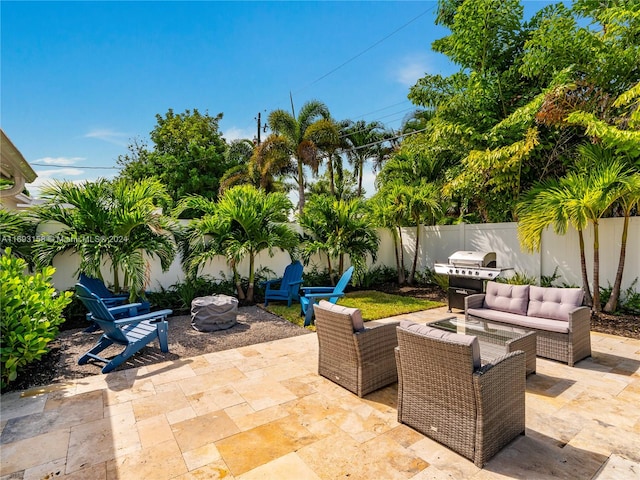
<point x="436" y="244"/>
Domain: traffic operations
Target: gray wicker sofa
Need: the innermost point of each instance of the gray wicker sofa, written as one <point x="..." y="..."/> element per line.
<point x="561" y="323"/>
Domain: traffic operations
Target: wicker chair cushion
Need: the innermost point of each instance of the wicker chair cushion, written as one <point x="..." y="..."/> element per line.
<point x="507" y="298"/>
<point x="458" y="338"/>
<point x="555" y="303"/>
<point x="354" y="313"/>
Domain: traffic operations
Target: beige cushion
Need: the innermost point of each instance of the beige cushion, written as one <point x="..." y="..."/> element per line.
<point x="458" y="338"/>
<point x="507" y="298"/>
<point x="354" y="313"/>
<point x="554" y="303"/>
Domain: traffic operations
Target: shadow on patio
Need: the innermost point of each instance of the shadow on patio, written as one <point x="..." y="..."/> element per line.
<point x="262" y="411"/>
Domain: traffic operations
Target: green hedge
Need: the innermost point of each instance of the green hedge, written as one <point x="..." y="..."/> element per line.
<point x="30" y="313"/>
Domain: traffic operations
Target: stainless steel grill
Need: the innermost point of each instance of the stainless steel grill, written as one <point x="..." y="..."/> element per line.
<point x="467" y="271"/>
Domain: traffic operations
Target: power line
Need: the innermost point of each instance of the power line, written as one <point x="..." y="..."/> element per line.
<point x="367" y="49"/>
<point x="73" y="166"/>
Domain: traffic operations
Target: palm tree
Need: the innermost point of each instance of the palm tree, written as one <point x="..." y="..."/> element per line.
<point x="364" y="142"/>
<point x="389" y="210"/>
<point x="547" y="204"/>
<point x="325" y="135"/>
<point x="629" y="199"/>
<point x="293" y="138"/>
<point x="117" y="220"/>
<point x="244" y="222"/>
<point x="17" y="229"/>
<point x="424" y="207"/>
<point x="579" y="198"/>
<point x="338" y="228"/>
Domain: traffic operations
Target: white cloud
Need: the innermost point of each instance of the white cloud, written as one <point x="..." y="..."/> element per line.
<point x="235" y="133"/>
<point x="108" y="135"/>
<point x="64" y="161"/>
<point x="411" y="68"/>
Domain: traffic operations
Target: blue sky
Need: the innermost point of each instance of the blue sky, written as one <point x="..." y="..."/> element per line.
<point x="80" y="80"/>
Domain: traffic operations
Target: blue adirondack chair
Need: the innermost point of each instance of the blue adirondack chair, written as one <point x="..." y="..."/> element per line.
<point x="285" y="288"/>
<point x="132" y="331"/>
<point x="311" y="295"/>
<point x="97" y="287"/>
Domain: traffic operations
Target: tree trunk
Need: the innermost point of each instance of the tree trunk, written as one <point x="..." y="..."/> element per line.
<point x="395" y="251"/>
<point x="612" y="303"/>
<point x="360" y="175"/>
<point x="251" y="277"/>
<point x="583" y="267"/>
<point x="332" y="183"/>
<point x="401" y="277"/>
<point x="300" y="187"/>
<point x="238" y="281"/>
<point x="331" y="275"/>
<point x="596" y="269"/>
<point x="412" y="274"/>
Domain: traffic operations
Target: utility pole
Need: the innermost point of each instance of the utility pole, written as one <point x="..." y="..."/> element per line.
<point x="293" y="112"/>
<point x="259" y="128"/>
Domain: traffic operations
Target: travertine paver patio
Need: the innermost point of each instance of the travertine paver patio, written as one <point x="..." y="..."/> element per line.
<point x="263" y="412"/>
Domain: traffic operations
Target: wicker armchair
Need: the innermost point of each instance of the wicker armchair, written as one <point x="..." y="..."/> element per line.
<point x="473" y="411"/>
<point x="360" y="361"/>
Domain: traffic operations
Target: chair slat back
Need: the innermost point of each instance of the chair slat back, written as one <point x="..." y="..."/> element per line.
<point x="95" y="285"/>
<point x="292" y="274"/>
<point x="100" y="313"/>
<point x="342" y="284"/>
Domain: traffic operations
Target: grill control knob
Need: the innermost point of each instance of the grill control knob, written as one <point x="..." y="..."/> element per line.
<point x="477" y="273"/>
<point x="457" y="271"/>
<point x="451" y="270"/>
<point x="490" y="274"/>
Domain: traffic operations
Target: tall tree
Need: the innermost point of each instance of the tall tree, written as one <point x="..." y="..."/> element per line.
<point x="292" y="138"/>
<point x="364" y="142"/>
<point x="188" y="155"/>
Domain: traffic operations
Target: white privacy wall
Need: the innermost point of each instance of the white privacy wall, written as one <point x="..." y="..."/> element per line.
<point x="436" y="244"/>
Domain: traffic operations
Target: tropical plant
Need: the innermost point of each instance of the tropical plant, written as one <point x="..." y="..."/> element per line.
<point x="576" y="199"/>
<point x="364" y="141"/>
<point x="30" y="313"/>
<point x="107" y="221"/>
<point x="18" y="232"/>
<point x="290" y="138"/>
<point x="338" y="228"/>
<point x="325" y="135"/>
<point x="244" y="222"/>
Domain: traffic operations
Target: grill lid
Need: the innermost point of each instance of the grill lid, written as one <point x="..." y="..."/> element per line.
<point x="465" y="258"/>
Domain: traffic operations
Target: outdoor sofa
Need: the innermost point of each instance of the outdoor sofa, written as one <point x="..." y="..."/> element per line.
<point x="561" y="323"/>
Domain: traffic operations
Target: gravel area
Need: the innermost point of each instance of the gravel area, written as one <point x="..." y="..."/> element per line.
<point x="255" y="325"/>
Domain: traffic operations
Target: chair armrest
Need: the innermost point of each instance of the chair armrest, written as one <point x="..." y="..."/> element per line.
<point x="115" y="300"/>
<point x="324" y="295"/>
<point x="580" y="318"/>
<point x="125" y="308"/>
<point x="270" y="282"/>
<point x="296" y="283"/>
<point x="317" y="289"/>
<point x="474" y="301"/>
<point x="500" y="401"/>
<point x="160" y="314"/>
<point x="377" y="341"/>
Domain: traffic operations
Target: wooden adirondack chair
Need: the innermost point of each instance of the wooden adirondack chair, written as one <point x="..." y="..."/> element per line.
<point x="311" y="295"/>
<point x="132" y="331"/>
<point x="285" y="288"/>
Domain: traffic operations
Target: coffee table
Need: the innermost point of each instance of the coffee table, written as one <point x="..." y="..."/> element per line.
<point x="495" y="340"/>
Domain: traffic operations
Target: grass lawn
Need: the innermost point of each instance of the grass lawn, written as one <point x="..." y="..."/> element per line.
<point x="373" y="305"/>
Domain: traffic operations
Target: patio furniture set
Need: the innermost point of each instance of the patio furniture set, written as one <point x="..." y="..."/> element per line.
<point x="461" y="382"/>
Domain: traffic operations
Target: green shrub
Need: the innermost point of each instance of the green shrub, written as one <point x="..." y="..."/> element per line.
<point x="30" y="313"/>
<point x="518" y="278"/>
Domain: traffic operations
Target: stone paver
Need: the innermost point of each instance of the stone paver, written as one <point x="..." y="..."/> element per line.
<point x="263" y="412"/>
